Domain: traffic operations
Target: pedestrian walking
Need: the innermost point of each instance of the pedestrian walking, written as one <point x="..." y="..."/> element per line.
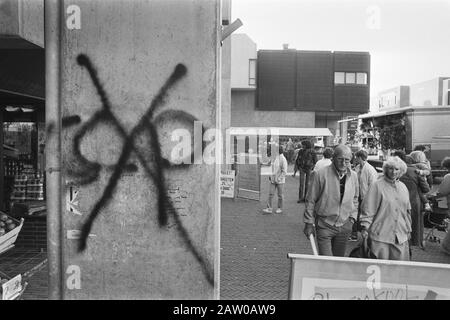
<point x="332" y="204"/>
<point x="290" y="151"/>
<point x="417" y="186"/>
<point x="444" y="191"/>
<point x="325" y="161"/>
<point x="386" y="213"/>
<point x="306" y="159"/>
<point x="297" y="149"/>
<point x="277" y="180"/>
<point x="423" y="168"/>
<point x="367" y="174"/>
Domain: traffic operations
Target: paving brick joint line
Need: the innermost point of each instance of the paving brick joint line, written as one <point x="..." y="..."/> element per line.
<point x="254" y="263"/>
<point x="253" y="250"/>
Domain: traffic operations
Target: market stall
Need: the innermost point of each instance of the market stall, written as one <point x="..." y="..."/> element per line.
<point x="22" y="174"/>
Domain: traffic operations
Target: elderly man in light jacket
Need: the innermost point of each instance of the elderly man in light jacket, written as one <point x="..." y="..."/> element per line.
<point x="332" y="204"/>
<point x="277" y="179"/>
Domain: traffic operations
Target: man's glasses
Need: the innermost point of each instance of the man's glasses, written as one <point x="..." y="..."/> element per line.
<point x="344" y="160"/>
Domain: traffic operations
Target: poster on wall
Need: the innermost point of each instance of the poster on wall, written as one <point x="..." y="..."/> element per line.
<point x="227" y="183"/>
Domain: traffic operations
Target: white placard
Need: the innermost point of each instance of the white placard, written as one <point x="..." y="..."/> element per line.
<point x="11" y="289"/>
<point x="227" y="183"/>
<point x="342" y="278"/>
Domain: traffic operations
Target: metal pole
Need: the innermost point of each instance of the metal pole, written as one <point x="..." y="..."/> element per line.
<point x="52" y="33"/>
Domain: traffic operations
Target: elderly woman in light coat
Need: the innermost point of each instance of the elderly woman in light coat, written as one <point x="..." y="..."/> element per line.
<point x="386" y="213"/>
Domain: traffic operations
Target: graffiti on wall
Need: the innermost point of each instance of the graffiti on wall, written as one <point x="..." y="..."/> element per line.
<point x="84" y="171"/>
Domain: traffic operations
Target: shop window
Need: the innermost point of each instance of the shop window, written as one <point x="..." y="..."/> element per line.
<point x="23" y="157"/>
<point x="339" y="77"/>
<point x="252" y="72"/>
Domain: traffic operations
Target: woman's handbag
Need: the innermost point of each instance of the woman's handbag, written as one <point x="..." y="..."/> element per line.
<point x="362" y="251"/>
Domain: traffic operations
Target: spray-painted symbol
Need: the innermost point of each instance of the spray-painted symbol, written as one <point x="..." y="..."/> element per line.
<point x="71" y="201"/>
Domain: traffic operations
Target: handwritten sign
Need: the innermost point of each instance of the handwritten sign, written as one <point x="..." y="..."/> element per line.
<point x="12" y="288"/>
<point x="227" y="183"/>
<point x="339" y="278"/>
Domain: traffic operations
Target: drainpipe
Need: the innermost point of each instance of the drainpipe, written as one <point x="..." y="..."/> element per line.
<point x="52" y="34"/>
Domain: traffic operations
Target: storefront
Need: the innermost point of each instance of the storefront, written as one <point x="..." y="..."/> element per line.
<point x="22" y="164"/>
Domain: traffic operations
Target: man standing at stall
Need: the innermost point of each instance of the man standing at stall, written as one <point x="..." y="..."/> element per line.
<point x="332" y="204"/>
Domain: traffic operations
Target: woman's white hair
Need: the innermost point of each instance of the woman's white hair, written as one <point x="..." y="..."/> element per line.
<point x="418" y="156"/>
<point x="395" y="162"/>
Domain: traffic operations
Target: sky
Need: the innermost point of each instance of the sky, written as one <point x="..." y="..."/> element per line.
<point x="408" y="41"/>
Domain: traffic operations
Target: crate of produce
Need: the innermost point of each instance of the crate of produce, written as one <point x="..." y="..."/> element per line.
<point x="9" y="231"/>
<point x="11" y="288"/>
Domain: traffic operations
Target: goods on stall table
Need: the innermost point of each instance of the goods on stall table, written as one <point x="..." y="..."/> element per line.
<point x="20" y="188"/>
<point x="11" y="289"/>
<point x="28" y="187"/>
<point x="9" y="230"/>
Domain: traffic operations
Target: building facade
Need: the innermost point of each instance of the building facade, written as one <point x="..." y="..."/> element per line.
<point x="296" y="88"/>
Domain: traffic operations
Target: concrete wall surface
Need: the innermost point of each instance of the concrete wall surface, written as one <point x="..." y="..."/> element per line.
<point x="22" y="19"/>
<point x="244" y="114"/>
<point x="427" y="93"/>
<point x="9" y="18"/>
<point x="242" y="50"/>
<point x="133" y="71"/>
<point x="32" y="21"/>
<point x="428" y="124"/>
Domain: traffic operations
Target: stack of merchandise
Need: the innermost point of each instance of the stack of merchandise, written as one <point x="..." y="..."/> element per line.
<point x="35" y="188"/>
<point x="20" y="188"/>
<point x="28" y="194"/>
<point x="13" y="167"/>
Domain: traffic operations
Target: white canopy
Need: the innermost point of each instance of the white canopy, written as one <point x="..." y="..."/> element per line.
<point x="280" y="131"/>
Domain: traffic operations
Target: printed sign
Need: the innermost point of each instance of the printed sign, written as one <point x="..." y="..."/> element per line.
<point x="227" y="183"/>
<point x="12" y="288"/>
<point x="339" y="278"/>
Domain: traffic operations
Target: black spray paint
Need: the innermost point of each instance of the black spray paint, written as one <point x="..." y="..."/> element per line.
<point x="88" y="171"/>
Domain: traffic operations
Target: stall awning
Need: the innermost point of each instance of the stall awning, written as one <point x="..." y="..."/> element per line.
<point x="22" y="76"/>
<point x="384" y="113"/>
<point x="280" y="131"/>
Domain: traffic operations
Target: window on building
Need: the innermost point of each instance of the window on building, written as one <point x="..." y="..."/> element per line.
<point x="339" y="77"/>
<point x="350" y="77"/>
<point x="448" y="98"/>
<point x="361" y="78"/>
<point x="252" y="72"/>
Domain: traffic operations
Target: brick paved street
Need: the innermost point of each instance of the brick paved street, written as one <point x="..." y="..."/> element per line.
<point x="254" y="247"/>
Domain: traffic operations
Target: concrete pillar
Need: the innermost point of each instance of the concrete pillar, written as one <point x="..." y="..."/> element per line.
<point x="133" y="72"/>
<point x="226" y="98"/>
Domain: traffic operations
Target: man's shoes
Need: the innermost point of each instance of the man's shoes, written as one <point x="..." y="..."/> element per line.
<point x="279" y="211"/>
<point x="353" y="237"/>
<point x="300" y="200"/>
<point x="267" y="211"/>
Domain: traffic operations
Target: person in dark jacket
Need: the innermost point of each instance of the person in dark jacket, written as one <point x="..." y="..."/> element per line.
<point x="306" y="159"/>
